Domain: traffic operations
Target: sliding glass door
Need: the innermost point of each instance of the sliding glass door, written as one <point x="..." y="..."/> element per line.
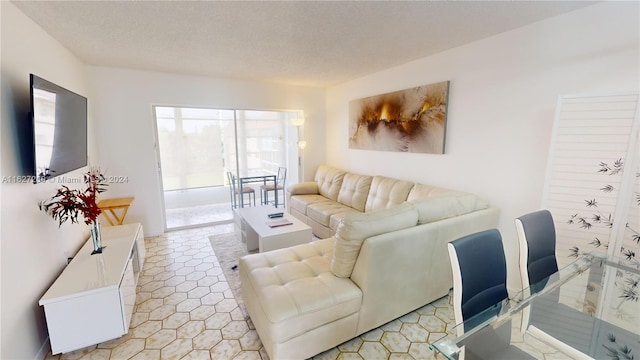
<point x="197" y="147"/>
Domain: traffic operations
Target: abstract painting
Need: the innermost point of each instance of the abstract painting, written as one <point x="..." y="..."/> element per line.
<point x="411" y="120"/>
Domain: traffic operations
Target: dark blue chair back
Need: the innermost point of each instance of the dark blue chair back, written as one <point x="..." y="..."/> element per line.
<point x="537" y="237"/>
<point x="482" y="270"/>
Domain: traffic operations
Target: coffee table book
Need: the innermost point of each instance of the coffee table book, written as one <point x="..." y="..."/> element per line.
<point x="279" y="222"/>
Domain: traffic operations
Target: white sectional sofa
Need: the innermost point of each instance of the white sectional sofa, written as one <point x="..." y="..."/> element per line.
<point x="324" y="202"/>
<point x="380" y="264"/>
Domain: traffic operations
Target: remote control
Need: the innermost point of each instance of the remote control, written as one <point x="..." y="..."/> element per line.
<point x="275" y="215"/>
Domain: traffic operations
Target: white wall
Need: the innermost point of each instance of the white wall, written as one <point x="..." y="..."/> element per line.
<point x="123" y="112"/>
<point x="33" y="250"/>
<point x="502" y="100"/>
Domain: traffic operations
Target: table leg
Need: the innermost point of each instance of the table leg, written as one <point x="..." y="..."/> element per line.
<point x="240" y="193"/>
<point x="117" y="219"/>
<point x="106" y="215"/>
<point x="275" y="191"/>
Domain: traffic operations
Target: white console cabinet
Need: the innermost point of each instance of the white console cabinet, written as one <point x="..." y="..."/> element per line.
<point x="92" y="300"/>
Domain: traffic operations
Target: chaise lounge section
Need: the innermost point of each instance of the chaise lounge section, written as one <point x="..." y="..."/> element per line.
<point x="378" y="266"/>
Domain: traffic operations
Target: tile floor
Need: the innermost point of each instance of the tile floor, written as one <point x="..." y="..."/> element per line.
<point x="185" y="310"/>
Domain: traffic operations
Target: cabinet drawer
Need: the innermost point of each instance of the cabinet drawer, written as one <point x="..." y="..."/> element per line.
<point x="84" y="320"/>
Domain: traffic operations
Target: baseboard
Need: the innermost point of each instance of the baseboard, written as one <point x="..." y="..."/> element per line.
<point x="44" y="350"/>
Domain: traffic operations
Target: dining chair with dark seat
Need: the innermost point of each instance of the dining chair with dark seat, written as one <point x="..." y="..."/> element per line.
<point x="537" y="243"/>
<point x="239" y="193"/>
<point x="537" y="261"/>
<point x="280" y="185"/>
<point x="479" y="272"/>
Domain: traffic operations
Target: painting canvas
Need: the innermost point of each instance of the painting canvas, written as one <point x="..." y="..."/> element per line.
<point x="412" y="120"/>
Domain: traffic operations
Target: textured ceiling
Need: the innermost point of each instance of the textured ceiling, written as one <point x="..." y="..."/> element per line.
<point x="316" y="43"/>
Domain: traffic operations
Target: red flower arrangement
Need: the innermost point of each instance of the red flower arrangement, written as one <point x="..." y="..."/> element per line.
<point x="67" y="203"/>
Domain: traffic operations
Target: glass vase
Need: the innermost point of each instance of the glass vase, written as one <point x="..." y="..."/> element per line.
<point x="96" y="238"/>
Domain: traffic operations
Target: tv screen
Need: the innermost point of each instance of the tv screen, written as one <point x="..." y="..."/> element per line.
<point x="59" y="129"/>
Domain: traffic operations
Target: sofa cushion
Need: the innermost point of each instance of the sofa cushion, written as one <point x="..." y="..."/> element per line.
<point x="322" y="211"/>
<point x="444" y="206"/>
<point x="354" y="190"/>
<point x="296" y="290"/>
<point x="421" y="191"/>
<point x="329" y="181"/>
<point x="301" y="202"/>
<point x="356" y="227"/>
<point x="303" y="188"/>
<point x="386" y="192"/>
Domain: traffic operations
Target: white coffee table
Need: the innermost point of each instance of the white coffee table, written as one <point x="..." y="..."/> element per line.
<point x="259" y="236"/>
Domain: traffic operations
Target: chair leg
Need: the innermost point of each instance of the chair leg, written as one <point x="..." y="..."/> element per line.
<point x="233" y="201"/>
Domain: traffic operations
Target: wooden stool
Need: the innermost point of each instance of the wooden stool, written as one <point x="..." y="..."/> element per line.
<point x="111" y="205"/>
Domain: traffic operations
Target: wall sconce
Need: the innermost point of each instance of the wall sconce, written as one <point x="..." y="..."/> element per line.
<point x="302" y="144"/>
<point x="299" y="121"/>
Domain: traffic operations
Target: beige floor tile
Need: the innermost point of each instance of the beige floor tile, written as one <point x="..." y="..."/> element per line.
<point x="191" y="329"/>
<point x="197" y="355"/>
<point x="421" y="351"/>
<point x="352" y="345"/>
<point x="395" y="342"/>
<point x="248" y="355"/>
<point x="217" y="320"/>
<point x="97" y="354"/>
<point x="146" y="329"/>
<point x="161" y="339"/>
<point x="175" y="298"/>
<point x="175" y="320"/>
<point x="147" y="354"/>
<point x="207" y="339"/>
<point x="372" y="335"/>
<point x="400" y="356"/>
<point x="414" y="332"/>
<point x="432" y="323"/>
<point x="198" y="292"/>
<point x="373" y="350"/>
<point x="226" y="350"/>
<point x="187" y="305"/>
<point x="78" y="354"/>
<point x="176" y="349"/>
<point x="226" y="305"/>
<point x="234" y="330"/>
<point x="128" y="349"/>
<point x="162" y="312"/>
<point x="250" y="341"/>
<point x="202" y="312"/>
<point x="350" y="356"/>
<point x="211" y="299"/>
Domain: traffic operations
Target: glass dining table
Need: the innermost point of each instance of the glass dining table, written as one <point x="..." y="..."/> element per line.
<point x="259" y="178"/>
<point x="587" y="310"/>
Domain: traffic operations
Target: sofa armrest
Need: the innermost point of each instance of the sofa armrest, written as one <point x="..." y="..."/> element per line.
<point x="403" y="270"/>
<point x="303" y="188"/>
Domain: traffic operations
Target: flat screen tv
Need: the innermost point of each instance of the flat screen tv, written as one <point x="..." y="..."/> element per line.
<point x="59" y="129"/>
